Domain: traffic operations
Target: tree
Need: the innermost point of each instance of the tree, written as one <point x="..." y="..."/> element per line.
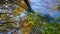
<point x="41" y="25"/>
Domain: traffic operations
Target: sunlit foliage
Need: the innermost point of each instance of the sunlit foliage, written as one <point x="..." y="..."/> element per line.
<point x="33" y="23"/>
<point x="43" y="26"/>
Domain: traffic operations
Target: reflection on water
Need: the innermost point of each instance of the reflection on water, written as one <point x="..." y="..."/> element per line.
<point x="46" y="6"/>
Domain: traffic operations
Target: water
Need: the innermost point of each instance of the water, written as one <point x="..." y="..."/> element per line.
<point x="45" y="7"/>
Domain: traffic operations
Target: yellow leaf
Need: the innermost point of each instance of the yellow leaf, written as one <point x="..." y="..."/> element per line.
<point x="22" y="4"/>
<point x="17" y="11"/>
<point x="55" y="7"/>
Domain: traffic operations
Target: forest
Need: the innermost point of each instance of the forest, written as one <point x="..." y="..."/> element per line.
<point x="29" y="17"/>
